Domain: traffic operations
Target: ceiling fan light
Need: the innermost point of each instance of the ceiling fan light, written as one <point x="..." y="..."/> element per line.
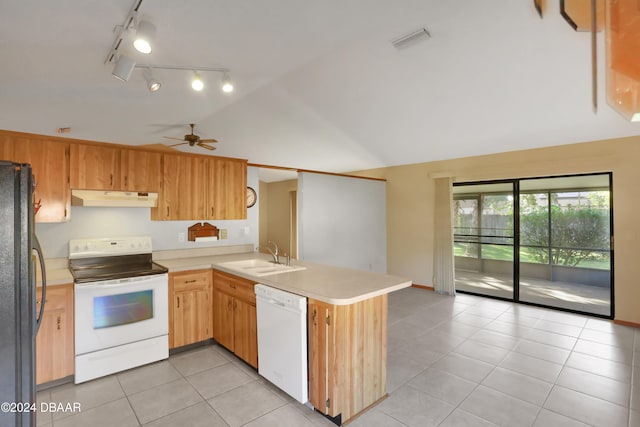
<point x="197" y="84"/>
<point x="227" y="86"/>
<point x="123" y="68"/>
<point x="144" y="36"/>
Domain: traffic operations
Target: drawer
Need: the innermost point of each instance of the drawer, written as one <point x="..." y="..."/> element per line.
<point x="234" y="286"/>
<point x="184" y="282"/>
<point x="245" y="291"/>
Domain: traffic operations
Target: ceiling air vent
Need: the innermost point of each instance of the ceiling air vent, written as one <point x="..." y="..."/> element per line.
<point x="411" y="38"/>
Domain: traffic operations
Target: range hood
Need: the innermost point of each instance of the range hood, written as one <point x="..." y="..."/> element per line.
<point x="114" y="199"/>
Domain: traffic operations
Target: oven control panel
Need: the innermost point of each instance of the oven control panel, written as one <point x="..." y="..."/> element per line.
<point x="109" y="246"/>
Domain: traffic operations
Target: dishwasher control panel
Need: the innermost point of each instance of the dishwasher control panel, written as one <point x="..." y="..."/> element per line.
<point x="276" y="296"/>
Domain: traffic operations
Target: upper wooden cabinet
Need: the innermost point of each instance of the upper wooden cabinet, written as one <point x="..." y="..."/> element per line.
<point x="100" y="167"/>
<point x="183" y="195"/>
<point x="140" y="170"/>
<point x="49" y="160"/>
<point x="190" y="187"/>
<point x="201" y="187"/>
<point x="95" y="167"/>
<point x="227" y="188"/>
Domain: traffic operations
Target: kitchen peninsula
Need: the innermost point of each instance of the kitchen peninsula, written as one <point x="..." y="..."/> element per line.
<point x="347" y="327"/>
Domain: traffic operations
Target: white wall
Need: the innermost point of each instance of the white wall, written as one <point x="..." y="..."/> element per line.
<point x="342" y="221"/>
<point x="114" y="222"/>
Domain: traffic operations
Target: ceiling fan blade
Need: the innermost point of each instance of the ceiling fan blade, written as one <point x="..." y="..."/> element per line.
<point x="209" y="140"/>
<point x="208" y="147"/>
<point x="177" y="139"/>
<point x="175" y="145"/>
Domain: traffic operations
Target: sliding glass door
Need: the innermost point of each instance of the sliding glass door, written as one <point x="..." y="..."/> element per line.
<point x="484" y="238"/>
<point x="544" y="241"/>
<point x="565" y="243"/>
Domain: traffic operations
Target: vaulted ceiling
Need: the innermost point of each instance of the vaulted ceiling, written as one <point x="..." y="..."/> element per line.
<point x="318" y="83"/>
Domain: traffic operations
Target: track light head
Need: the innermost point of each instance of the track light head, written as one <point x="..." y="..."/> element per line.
<point x="123" y="68"/>
<point x="152" y="83"/>
<point x="144" y="36"/>
<point x="197" y="84"/>
<point x="227" y="86"/>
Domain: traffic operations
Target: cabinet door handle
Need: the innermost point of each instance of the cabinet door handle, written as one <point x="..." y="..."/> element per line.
<point x="167" y="211"/>
<point x="111" y="180"/>
<point x="178" y="302"/>
<point x="211" y="210"/>
<point x="59" y="322"/>
<point x="126" y="180"/>
<point x="229" y="305"/>
<point x="314" y="316"/>
<point x="190" y="281"/>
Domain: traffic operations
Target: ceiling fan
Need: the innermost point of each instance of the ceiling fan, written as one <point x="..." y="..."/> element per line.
<point x="193" y="139"/>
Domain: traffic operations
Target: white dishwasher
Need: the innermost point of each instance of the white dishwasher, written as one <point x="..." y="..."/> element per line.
<point x="282" y="340"/>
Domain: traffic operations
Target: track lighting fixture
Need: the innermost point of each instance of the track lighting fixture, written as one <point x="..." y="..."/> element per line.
<point x="123" y="68"/>
<point x="152" y="84"/>
<point x="144" y="36"/>
<point x="123" y="65"/>
<point x="197" y="84"/>
<point x="227" y="86"/>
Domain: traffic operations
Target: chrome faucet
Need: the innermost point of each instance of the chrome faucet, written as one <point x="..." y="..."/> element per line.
<point x="273" y="252"/>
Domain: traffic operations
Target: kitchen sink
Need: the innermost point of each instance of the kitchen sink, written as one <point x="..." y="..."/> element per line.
<point x="260" y="267"/>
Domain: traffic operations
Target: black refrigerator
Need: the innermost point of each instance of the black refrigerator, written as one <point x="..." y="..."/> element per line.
<point x="19" y="322"/>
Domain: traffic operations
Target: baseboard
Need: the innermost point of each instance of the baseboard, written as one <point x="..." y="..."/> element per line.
<point x="428" y="288"/>
<point x="625" y="323"/>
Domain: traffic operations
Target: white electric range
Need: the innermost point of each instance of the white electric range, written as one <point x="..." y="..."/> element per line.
<point x="121" y="305"/>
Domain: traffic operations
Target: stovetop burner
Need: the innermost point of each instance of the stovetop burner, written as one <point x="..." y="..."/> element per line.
<point x="92" y="260"/>
<point x="116" y="267"/>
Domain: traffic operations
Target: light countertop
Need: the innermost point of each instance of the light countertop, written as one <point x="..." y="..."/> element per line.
<point x="333" y="285"/>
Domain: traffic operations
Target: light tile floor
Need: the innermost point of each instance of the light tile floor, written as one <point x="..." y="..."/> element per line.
<point x="453" y="361"/>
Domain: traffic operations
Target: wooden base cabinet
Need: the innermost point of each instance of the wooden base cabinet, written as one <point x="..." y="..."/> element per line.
<point x="190" y="307"/>
<point x="234" y="319"/>
<point x="347" y="356"/>
<point x="55" y="342"/>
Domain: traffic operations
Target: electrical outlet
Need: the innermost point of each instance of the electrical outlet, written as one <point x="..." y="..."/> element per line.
<point x="223" y="233"/>
<point x="181" y="237"/>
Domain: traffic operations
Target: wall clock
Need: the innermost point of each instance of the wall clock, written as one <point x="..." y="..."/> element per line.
<point x="251" y="197"/>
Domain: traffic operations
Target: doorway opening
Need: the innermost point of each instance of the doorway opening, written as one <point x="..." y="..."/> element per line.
<point x="542" y="241"/>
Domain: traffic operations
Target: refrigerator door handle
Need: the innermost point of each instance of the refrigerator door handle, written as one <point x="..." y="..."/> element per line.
<point x="43" y="298"/>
